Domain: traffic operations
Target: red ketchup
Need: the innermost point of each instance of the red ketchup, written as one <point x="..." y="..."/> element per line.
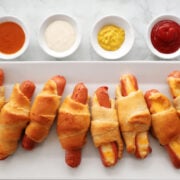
<point x="165" y="36"/>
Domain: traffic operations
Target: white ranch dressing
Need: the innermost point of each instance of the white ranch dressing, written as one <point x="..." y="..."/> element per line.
<point x="60" y="36"/>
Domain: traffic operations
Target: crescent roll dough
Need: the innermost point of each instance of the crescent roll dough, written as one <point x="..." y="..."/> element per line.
<point x="174" y="85"/>
<point x="14" y="117"/>
<point x="133" y="112"/>
<point x="166" y="125"/>
<point x="73" y="124"/>
<point x="43" y="112"/>
<point x="105" y="125"/>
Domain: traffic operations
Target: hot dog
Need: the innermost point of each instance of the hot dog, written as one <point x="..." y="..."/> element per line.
<point x="60" y="83"/>
<point x="20" y="96"/>
<point x="164" y="116"/>
<point x="105" y="127"/>
<point x="73" y="124"/>
<point x="135" y="119"/>
<point x="109" y="151"/>
<point x="28" y="143"/>
<point x="173" y="80"/>
<point x="27" y="88"/>
<point x="142" y="149"/>
<point x="80" y="94"/>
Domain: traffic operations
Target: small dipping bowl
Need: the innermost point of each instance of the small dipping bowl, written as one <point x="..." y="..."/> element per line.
<point x="44" y="44"/>
<point x="126" y="45"/>
<point x="25" y="44"/>
<point x="152" y="24"/>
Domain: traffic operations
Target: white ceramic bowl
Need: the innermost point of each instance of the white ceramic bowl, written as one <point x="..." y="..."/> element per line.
<point x="45" y="24"/>
<point x="148" y="36"/>
<point x="127" y="44"/>
<point x="26" y="43"/>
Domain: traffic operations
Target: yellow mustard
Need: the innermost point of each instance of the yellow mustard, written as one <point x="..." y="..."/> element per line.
<point x="111" y="37"/>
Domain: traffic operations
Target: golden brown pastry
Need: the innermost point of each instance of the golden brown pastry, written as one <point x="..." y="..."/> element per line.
<point x="165" y="123"/>
<point x="73" y="124"/>
<point x="105" y="127"/>
<point x="174" y="85"/>
<point x="43" y="112"/>
<point x="14" y="117"/>
<point x="134" y="116"/>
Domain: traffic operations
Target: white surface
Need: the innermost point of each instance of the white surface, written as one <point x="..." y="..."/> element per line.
<point x="149" y="29"/>
<point x="87" y="12"/>
<point x="47" y="22"/>
<point x="126" y="45"/>
<point x="26" y="42"/>
<point x="47" y="159"/>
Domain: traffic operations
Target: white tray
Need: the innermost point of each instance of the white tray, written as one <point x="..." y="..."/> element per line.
<point x="47" y="159"/>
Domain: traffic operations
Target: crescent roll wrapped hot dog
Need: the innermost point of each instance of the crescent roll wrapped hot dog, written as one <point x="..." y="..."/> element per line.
<point x="134" y="116"/>
<point x="165" y="123"/>
<point x="73" y="124"/>
<point x="174" y="85"/>
<point x="43" y="112"/>
<point x="105" y="127"/>
<point x="14" y="117"/>
<point x="2" y="89"/>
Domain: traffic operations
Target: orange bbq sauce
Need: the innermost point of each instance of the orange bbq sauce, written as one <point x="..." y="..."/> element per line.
<point x="12" y="37"/>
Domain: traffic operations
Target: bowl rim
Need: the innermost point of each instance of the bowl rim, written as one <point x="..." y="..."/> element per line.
<point x="148" y="38"/>
<point x="44" y="24"/>
<point x="22" y="50"/>
<point x="111" y="55"/>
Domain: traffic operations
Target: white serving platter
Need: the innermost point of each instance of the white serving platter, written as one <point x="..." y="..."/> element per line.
<point x="46" y="161"/>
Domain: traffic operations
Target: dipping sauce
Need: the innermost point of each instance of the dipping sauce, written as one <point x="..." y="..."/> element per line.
<point x="12" y="37"/>
<point x="60" y="36"/>
<point x="165" y="36"/>
<point x="111" y="37"/>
